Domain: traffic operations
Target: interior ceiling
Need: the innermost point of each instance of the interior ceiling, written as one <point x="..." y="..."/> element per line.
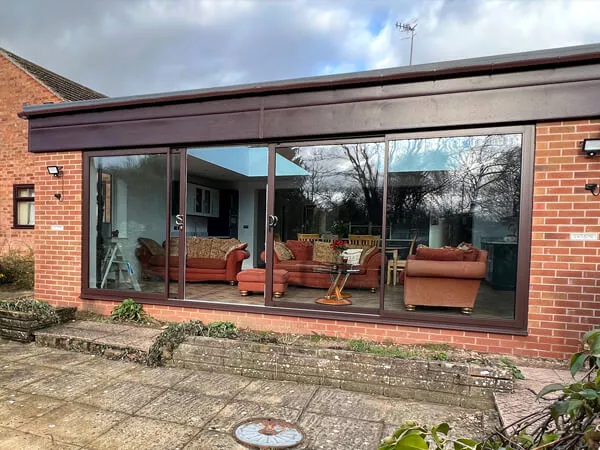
<point x="202" y="169"/>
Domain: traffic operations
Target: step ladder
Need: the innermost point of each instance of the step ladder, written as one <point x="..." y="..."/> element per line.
<point x="115" y="261"/>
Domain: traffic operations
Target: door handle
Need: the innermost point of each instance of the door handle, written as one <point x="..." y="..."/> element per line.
<point x="273" y="221"/>
<point x="179" y="221"/>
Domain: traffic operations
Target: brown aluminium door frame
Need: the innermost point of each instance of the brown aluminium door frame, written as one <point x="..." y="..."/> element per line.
<point x="181" y="243"/>
<point x="270" y="210"/>
<point x="97" y="293"/>
<point x="517" y="325"/>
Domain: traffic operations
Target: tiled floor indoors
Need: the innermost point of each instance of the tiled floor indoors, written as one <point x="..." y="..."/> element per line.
<point x="489" y="303"/>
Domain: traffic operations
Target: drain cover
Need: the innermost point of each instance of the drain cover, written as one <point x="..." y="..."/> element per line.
<point x="268" y="433"/>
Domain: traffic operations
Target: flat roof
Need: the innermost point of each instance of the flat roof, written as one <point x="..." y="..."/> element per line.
<point x="513" y="62"/>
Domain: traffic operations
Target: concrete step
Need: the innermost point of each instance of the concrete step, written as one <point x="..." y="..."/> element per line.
<point x="113" y="341"/>
<point x="512" y="406"/>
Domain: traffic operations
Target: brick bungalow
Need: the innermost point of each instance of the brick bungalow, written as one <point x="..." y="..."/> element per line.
<point x="23" y="82"/>
<point x="461" y="184"/>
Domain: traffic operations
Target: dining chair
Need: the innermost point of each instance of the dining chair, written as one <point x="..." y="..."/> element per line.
<point x="396" y="265"/>
<point x="308" y="236"/>
<point x="364" y="240"/>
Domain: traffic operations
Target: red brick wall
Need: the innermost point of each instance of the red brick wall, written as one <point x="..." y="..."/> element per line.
<point x="58" y="228"/>
<point x="18" y="166"/>
<point x="564" y="286"/>
<point x="565" y="283"/>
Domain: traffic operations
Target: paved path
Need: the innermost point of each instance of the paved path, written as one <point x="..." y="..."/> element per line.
<point x="51" y="398"/>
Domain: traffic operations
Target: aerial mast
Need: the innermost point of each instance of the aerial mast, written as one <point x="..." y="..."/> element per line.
<point x="408" y="28"/>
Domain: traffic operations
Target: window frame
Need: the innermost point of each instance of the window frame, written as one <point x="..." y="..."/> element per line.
<point x="516" y="326"/>
<point x="17" y="200"/>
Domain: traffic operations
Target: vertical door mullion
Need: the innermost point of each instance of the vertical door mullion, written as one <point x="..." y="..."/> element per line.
<point x="168" y="220"/>
<point x="269" y="230"/>
<point x="182" y="211"/>
<point x="383" y="272"/>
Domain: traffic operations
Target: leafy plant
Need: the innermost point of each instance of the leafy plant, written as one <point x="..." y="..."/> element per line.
<point x="411" y="436"/>
<point x="168" y="340"/>
<point x="220" y="330"/>
<point x="129" y="311"/>
<point x="516" y="372"/>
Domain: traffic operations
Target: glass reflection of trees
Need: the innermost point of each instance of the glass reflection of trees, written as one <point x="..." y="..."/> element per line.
<point x="455" y="177"/>
<point x="344" y="181"/>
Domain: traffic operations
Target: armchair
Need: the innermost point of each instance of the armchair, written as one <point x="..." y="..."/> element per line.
<point x="450" y="283"/>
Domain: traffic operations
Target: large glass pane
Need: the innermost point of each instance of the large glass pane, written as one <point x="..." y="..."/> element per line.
<point x="126" y="244"/>
<point x="328" y="199"/>
<point x="453" y="216"/>
<point x="225" y="211"/>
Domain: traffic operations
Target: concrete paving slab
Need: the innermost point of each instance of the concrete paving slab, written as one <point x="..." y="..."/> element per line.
<point x="75" y="334"/>
<point x="13" y="351"/>
<point x="17" y="408"/>
<point x="142" y="433"/>
<point x="58" y="359"/>
<point x="99" y="367"/>
<point x="185" y="408"/>
<point x="214" y="440"/>
<point x="117" y="340"/>
<point x="328" y="432"/>
<point x="214" y="384"/>
<point x="239" y="411"/>
<point x="67" y="386"/>
<point x="74" y="423"/>
<point x="355" y="405"/>
<point x="14" y="439"/>
<point x="159" y="377"/>
<point x="14" y="375"/>
<point x="140" y="332"/>
<point x="200" y="408"/>
<point x="278" y="393"/>
<point x="107" y="327"/>
<point x="122" y="396"/>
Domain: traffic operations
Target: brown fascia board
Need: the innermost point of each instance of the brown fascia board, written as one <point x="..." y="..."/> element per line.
<point x="515" y="62"/>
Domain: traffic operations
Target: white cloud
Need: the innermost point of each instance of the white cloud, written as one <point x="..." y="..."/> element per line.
<point x="142" y="46"/>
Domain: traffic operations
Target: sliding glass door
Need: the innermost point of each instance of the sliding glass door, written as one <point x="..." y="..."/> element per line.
<point x="328" y="200"/>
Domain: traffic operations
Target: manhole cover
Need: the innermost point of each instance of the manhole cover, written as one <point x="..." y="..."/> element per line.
<point x="268" y="433"/>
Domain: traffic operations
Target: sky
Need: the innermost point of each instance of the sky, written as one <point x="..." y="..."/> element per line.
<point x="131" y="47"/>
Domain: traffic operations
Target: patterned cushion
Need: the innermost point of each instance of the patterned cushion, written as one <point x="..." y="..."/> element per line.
<point x="219" y="248"/>
<point x="302" y="250"/>
<point x="152" y="246"/>
<point x="174" y="247"/>
<point x="282" y="252"/>
<point x="322" y="252"/>
<point x="353" y="255"/>
<point x="198" y="247"/>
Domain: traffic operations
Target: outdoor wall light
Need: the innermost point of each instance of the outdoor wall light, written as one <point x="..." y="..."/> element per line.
<point x="593" y="188"/>
<point x="591" y="147"/>
<point x="54" y="170"/>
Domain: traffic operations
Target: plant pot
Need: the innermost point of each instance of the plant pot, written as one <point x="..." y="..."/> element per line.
<point x="19" y="326"/>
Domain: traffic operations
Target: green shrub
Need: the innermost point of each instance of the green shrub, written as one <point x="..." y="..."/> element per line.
<point x="17" y="270"/>
<point x="42" y="310"/>
<point x="129" y="311"/>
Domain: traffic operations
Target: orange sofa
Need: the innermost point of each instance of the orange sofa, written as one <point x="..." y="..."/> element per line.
<point x="302" y="263"/>
<point x="448" y="277"/>
<point x="207" y="259"/>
